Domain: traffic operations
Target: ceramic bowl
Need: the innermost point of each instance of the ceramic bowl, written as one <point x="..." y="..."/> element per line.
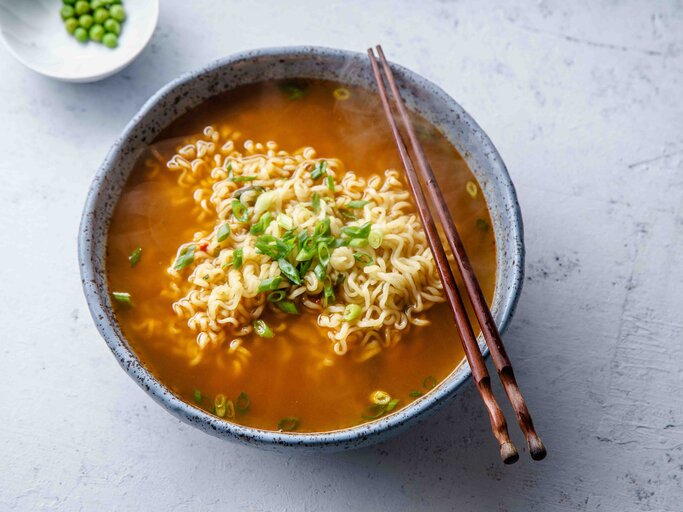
<point x="34" y="33"/>
<point x="190" y="90"/>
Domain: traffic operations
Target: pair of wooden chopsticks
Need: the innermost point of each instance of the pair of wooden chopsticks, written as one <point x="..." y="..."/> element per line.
<point x="508" y="452"/>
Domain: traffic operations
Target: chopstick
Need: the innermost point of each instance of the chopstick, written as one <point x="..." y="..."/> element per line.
<point x="475" y="294"/>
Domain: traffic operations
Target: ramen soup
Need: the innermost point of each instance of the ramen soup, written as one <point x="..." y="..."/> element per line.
<point x="266" y="262"/>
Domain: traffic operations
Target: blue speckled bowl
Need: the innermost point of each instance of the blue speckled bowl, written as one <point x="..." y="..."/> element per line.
<point x="193" y="88"/>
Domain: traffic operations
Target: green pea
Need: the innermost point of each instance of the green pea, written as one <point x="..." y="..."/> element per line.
<point x="101" y="15"/>
<point x="67" y="12"/>
<point x="112" y="26"/>
<point x="96" y="33"/>
<point x="110" y="40"/>
<point x="70" y="2"/>
<point x="86" y="21"/>
<point x="117" y="12"/>
<point x="81" y="34"/>
<point x="71" y="24"/>
<point x="82" y="7"/>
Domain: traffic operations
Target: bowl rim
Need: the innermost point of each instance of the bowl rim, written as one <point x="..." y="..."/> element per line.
<point x="89" y="77"/>
<point x="350" y="437"/>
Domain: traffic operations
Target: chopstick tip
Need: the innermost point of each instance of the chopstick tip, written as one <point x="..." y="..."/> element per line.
<point x="508" y="453"/>
<point x="537" y="448"/>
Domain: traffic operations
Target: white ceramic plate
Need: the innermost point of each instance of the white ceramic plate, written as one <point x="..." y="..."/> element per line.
<point x="34" y="33"/>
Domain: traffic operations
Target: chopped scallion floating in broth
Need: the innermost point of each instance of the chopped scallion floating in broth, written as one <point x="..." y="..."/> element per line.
<point x="482" y="225"/>
<point x="185" y="257"/>
<point x="223" y="232"/>
<point x="287" y="306"/>
<point x="269" y="284"/>
<point x="415" y="393"/>
<point x="429" y="382"/>
<point x="289" y="271"/>
<point x="242" y="403"/>
<point x="319" y="170"/>
<point x="197" y="395"/>
<point x="471" y="188"/>
<point x="134" y="257"/>
<point x="288" y="424"/>
<point x="123" y="298"/>
<point x="261" y="328"/>
<point x="352" y="312"/>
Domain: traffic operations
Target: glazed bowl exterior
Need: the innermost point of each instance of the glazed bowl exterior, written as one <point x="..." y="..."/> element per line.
<point x="187" y="92"/>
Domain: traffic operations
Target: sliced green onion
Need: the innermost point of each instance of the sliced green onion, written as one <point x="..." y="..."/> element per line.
<point x="289" y="271"/>
<point x="223" y="232"/>
<point x="269" y="284"/>
<point x="305" y="266"/>
<point x="273" y="247"/>
<point x="287" y="306"/>
<point x="307" y="250"/>
<point x="329" y="181"/>
<point x="347" y="214"/>
<point x="293" y="91"/>
<point x="358" y="242"/>
<point x="471" y="188"/>
<point x="185" y="257"/>
<point x="285" y="221"/>
<point x="264" y="202"/>
<point x="356" y="204"/>
<point x="122" y="297"/>
<point x="482" y="225"/>
<point x="351" y="312"/>
<point x="341" y="93"/>
<point x="243" y="402"/>
<point x="288" y="424"/>
<point x="375" y="238"/>
<point x="391" y="405"/>
<point x="429" y="382"/>
<point x="380" y="397"/>
<point x="372" y="412"/>
<point x="260" y="227"/>
<point x="362" y="258"/>
<point x="134" y="257"/>
<point x="238" y="179"/>
<point x="261" y="328"/>
<point x="357" y="231"/>
<point x="328" y="292"/>
<point x="415" y="393"/>
<point x="340" y="242"/>
<point x="319" y="170"/>
<point x="220" y="405"/>
<point x="323" y="254"/>
<point x="237" y="255"/>
<point x="320" y="272"/>
<point x="197" y="395"/>
<point x="239" y="211"/>
<point x="322" y="228"/>
<point x="276" y="296"/>
<point x="238" y="193"/>
<point x="315" y="202"/>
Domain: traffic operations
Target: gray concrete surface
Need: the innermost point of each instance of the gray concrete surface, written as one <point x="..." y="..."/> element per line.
<point x="585" y="103"/>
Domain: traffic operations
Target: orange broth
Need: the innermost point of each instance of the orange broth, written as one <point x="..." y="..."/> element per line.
<point x="285" y="376"/>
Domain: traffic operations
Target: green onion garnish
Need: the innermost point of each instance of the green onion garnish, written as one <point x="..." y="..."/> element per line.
<point x="197" y="395"/>
<point x="329" y="181"/>
<point x="273" y="247"/>
<point x="269" y="284"/>
<point x="276" y="296"/>
<point x="261" y="328"/>
<point x="243" y="402"/>
<point x="185" y="257"/>
<point x="260" y="227"/>
<point x="305" y="266"/>
<point x="319" y="170"/>
<point x="134" y="257"/>
<point x="357" y="231"/>
<point x="289" y="271"/>
<point x="293" y="91"/>
<point x="322" y="228"/>
<point x="287" y="306"/>
<point x="220" y="405"/>
<point x="351" y="312"/>
<point x="320" y="272"/>
<point x="482" y="225"/>
<point x="285" y="221"/>
<point x="347" y="214"/>
<point x="288" y="424"/>
<point x="375" y="238"/>
<point x="238" y="193"/>
<point x="240" y="179"/>
<point x="372" y="412"/>
<point x="328" y="292"/>
<point x="122" y="297"/>
<point x="429" y="382"/>
<point x="239" y="211"/>
<point x="391" y="405"/>
<point x="363" y="258"/>
<point x="315" y="202"/>
<point x="323" y="254"/>
<point x="340" y="242"/>
<point x="307" y="250"/>
<point x="223" y="232"/>
<point x="358" y="242"/>
<point x="356" y="204"/>
<point x="415" y="393"/>
<point x="237" y="255"/>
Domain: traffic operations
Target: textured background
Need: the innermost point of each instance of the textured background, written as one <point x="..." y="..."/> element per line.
<point x="584" y="102"/>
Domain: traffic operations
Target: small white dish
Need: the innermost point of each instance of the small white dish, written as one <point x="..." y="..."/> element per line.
<point x="34" y="33"/>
